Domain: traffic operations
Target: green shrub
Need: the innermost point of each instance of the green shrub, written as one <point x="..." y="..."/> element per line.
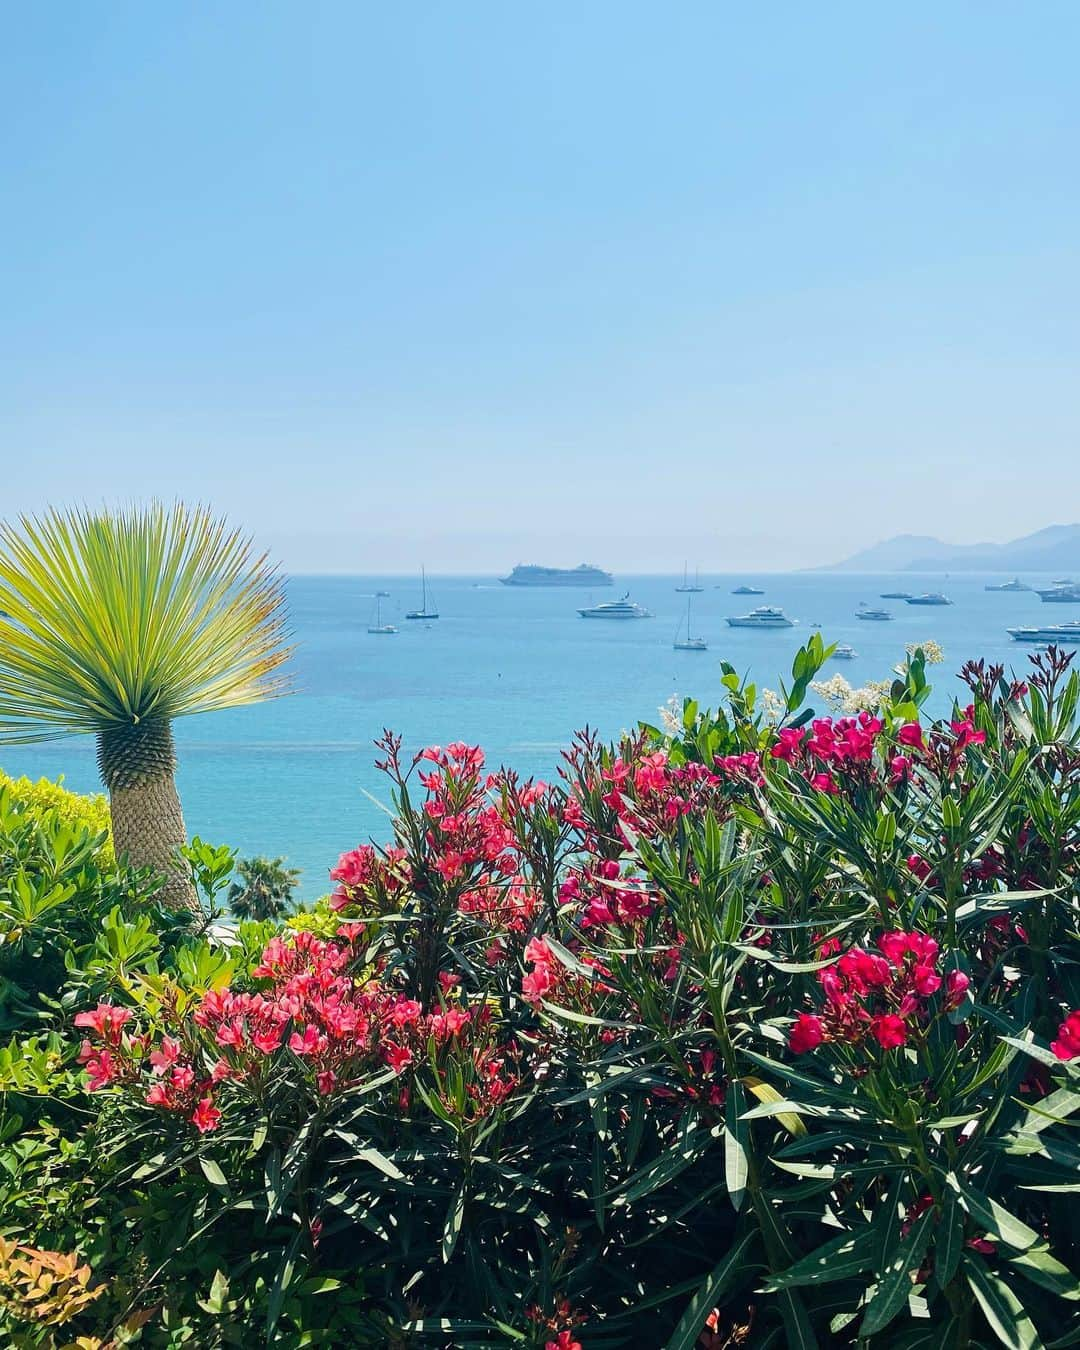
<point x="89" y="812"/>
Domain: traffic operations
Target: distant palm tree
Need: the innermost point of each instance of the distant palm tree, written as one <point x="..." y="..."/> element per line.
<point x="115" y="623"/>
<point x="264" y="889"/>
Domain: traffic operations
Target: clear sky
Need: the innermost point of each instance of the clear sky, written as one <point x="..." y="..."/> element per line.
<point x="479" y="283"/>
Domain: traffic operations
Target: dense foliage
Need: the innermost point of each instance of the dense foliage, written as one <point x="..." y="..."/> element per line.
<point x="763" y="1030"/>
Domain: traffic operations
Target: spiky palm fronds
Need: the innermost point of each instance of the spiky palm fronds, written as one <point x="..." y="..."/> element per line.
<point x="113" y="622"/>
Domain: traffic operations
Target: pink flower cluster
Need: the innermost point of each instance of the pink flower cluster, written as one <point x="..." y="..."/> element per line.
<point x="881" y="994"/>
<point x="313" y="1013"/>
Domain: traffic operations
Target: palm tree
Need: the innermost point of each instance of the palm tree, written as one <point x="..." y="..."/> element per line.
<point x="117" y="622"/>
<point x="264" y="890"/>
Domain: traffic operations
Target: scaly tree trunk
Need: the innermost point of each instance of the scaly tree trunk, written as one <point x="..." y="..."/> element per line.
<point x="138" y="766"/>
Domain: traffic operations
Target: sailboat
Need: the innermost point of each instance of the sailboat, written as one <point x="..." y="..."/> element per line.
<point x="424" y="612"/>
<point x="686" y="586"/>
<point x="378" y="626"/>
<point x="689" y="643"/>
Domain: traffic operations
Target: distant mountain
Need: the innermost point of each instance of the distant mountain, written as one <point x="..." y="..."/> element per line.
<point x="1055" y="549"/>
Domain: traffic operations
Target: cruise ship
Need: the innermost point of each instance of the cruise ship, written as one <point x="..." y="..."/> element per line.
<point x="1015" y="585"/>
<point x="1061" y="593"/>
<point x="529" y="574"/>
<point x="930" y="598"/>
<point x="616" y="609"/>
<point x="765" y="616"/>
<point x="1068" y="633"/>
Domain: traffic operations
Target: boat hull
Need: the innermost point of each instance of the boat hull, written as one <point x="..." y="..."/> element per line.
<point x="760" y="623"/>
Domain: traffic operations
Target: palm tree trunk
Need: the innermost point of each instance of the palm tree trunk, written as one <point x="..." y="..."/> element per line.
<point x="138" y="766"/>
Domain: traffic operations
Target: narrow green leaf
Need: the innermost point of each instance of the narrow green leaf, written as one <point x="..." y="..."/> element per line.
<point x="895" y="1285"/>
<point x="1000" y="1306"/>
<point x="685" y="1336"/>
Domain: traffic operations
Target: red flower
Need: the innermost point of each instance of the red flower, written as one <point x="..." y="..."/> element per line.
<point x="807" y="1034"/>
<point x="397" y="1056"/>
<point x="1067" y="1045"/>
<point x="956" y="986"/>
<point x="206" y="1116"/>
<point x="564" y="1341"/>
<point x="105" y="1020"/>
<point x="889" y="1031"/>
<point x="911" y="734"/>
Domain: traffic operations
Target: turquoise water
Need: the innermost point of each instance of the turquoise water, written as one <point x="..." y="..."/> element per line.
<point x="516" y="671"/>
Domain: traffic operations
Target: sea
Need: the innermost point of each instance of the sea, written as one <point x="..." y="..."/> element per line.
<point x="516" y="671"/>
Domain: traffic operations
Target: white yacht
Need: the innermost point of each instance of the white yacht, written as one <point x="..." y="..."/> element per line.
<point x="377" y="625"/>
<point x="1067" y="633"/>
<point x="426" y="610"/>
<point x="1061" y="593"/>
<point x="876" y="615"/>
<point x="1015" y="585"/>
<point x="930" y="598"/>
<point x="765" y="616"/>
<point x="687" y="585"/>
<point x="616" y="609"/>
<point x="844" y="652"/>
<point x="689" y="643"/>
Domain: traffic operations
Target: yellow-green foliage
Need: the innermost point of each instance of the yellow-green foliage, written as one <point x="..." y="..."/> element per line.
<point x="48" y="798"/>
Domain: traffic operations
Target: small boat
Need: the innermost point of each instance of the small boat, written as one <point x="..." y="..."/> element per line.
<point x="689" y="643"/>
<point x="765" y="616"/>
<point x="1065" y="594"/>
<point x="382" y="595"/>
<point x="747" y="590"/>
<point x="896" y="595"/>
<point x="1015" y="585"/>
<point x="686" y="586"/>
<point x="1067" y="633"/>
<point x="875" y="615"/>
<point x="930" y="598"/>
<point x="844" y="652"/>
<point x="424" y="612"/>
<point x="378" y="626"/>
<point x="616" y="609"/>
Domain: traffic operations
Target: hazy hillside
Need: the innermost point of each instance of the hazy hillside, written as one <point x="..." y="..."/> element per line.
<point x="1054" y="549"/>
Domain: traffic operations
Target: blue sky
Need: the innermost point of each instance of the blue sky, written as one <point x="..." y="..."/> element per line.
<point x="480" y="283"/>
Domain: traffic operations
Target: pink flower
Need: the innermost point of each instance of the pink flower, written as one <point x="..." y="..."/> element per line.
<point x="206" y="1116"/>
<point x="537" y="983"/>
<point x="807" y="1034"/>
<point x="105" y="1020"/>
<point x="911" y="734"/>
<point x="956" y="986"/>
<point x="919" y="867"/>
<point x="1067" y="1045"/>
<point x="788" y="743"/>
<point x="166" y="1057"/>
<point x="397" y="1056"/>
<point x="564" y="1341"/>
<point x="325" y="1081"/>
<point x="889" y="1031"/>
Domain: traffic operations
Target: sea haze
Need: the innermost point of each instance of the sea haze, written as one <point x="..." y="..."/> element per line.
<point x="517" y="671"/>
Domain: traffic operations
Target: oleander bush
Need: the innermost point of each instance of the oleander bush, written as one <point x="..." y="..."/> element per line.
<point x="761" y="1029"/>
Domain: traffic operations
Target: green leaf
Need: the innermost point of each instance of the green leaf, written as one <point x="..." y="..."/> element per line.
<point x="950" y="1240"/>
<point x="736" y="1144"/>
<point x="895" y="1286"/>
<point x="452" y="1227"/>
<point x="840" y="1258"/>
<point x="715" y="1285"/>
<point x="213" y="1173"/>
<point x="997" y="1221"/>
<point x="1000" y="1306"/>
<point x="1038" y="1266"/>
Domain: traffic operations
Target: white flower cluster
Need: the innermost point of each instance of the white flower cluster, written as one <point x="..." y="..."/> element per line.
<point x="772" y="706"/>
<point x="671" y="716"/>
<point x="931" y="650"/>
<point x="841" y="697"/>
